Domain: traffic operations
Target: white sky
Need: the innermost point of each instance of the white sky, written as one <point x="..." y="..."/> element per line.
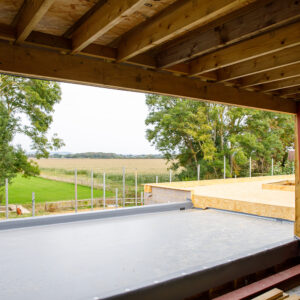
<point x="91" y="119"/>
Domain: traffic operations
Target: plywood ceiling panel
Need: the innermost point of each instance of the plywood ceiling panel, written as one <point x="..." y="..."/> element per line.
<point x="63" y="14"/>
<point x="8" y="10"/>
<point x="151" y="8"/>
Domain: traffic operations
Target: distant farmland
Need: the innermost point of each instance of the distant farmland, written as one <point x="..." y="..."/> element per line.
<point x="114" y="166"/>
<point x="62" y="169"/>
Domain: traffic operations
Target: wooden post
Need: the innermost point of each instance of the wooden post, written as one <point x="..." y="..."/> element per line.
<point x="297" y="177"/>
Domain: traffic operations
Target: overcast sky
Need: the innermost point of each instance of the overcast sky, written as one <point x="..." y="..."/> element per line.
<point x="99" y="120"/>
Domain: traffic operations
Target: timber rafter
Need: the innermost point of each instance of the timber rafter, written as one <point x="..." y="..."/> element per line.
<point x="217" y="47"/>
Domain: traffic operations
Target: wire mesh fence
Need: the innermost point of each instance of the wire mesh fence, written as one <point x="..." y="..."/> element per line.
<point x="94" y="189"/>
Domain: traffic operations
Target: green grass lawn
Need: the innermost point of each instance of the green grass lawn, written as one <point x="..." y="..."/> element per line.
<point x="20" y="191"/>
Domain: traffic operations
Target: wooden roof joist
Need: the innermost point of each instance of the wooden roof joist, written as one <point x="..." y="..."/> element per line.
<point x="264" y="16"/>
<point x="30" y="14"/>
<point x="102" y="20"/>
<point x="31" y="62"/>
<point x="183" y="16"/>
<point x="39" y="39"/>
<point x="278" y="85"/>
<point x="273" y="61"/>
<point x="279" y="39"/>
<point x="289" y="91"/>
<point x="278" y="74"/>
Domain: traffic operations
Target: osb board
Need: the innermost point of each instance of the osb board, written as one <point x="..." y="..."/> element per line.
<point x="147" y="11"/>
<point x="280" y="186"/>
<point x="188" y="185"/>
<point x="8" y="10"/>
<point x="63" y="14"/>
<point x="254" y="208"/>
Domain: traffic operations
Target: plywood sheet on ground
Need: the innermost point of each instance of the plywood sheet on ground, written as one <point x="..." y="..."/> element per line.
<point x="247" y="197"/>
<point x="244" y="195"/>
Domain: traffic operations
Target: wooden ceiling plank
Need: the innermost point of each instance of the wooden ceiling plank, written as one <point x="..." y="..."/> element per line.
<point x="289" y="91"/>
<point x="185" y="15"/>
<point x="278" y="74"/>
<point x="31" y="62"/>
<point x="286" y="57"/>
<point x="264" y="17"/>
<point x="271" y="42"/>
<point x="32" y="12"/>
<point x="295" y="96"/>
<point x="64" y="45"/>
<point x="102" y="20"/>
<point x="278" y="85"/>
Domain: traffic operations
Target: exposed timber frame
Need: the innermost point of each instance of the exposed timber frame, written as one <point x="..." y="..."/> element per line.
<point x="31" y="13"/>
<point x="30" y="62"/>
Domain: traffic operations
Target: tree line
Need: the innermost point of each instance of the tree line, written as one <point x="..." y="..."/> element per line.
<point x="189" y="133"/>
<point x="104" y="155"/>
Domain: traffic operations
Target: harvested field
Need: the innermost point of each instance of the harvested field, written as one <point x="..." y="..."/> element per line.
<point x="146" y="166"/>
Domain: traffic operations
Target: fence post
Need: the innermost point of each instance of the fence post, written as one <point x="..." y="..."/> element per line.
<point x="142" y="198"/>
<point x="104" y="200"/>
<point x="198" y="172"/>
<point x="92" y="190"/>
<point x="124" y="186"/>
<point x="136" y="188"/>
<point x="170" y="175"/>
<point x="156" y="179"/>
<point x="272" y="167"/>
<point x="6" y="198"/>
<point x="250" y="167"/>
<point x="76" y="204"/>
<point x="117" y="204"/>
<point x="33" y="204"/>
<point x="293" y="167"/>
<point x="224" y="170"/>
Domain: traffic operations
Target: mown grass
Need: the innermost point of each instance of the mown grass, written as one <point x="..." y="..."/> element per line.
<point x="20" y="190"/>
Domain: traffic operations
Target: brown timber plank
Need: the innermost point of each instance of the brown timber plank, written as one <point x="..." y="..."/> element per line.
<point x="279" y="39"/>
<point x="183" y="16"/>
<point x="32" y="12"/>
<point x="270" y="76"/>
<point x="289" y="91"/>
<point x="262" y="285"/>
<point x="270" y="295"/>
<point x="64" y="45"/>
<point x="102" y="20"/>
<point x="78" y="69"/>
<point x="266" y="15"/>
<point x="278" y="85"/>
<point x="260" y="64"/>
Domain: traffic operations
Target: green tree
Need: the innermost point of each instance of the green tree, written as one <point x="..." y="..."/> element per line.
<point x="189" y="132"/>
<point x="26" y="107"/>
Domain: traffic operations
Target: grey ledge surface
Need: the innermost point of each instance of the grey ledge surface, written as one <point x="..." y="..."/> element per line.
<point x="101" y="257"/>
<point x="91" y="215"/>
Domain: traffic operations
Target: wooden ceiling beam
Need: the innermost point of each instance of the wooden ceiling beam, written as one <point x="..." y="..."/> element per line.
<point x="45" y="64"/>
<point x="286" y="57"/>
<point x="278" y="85"/>
<point x="266" y="15"/>
<point x="289" y="91"/>
<point x="183" y="16"/>
<point x="102" y="20"/>
<point x="64" y="45"/>
<point x="293" y="96"/>
<point x="30" y="15"/>
<point x="271" y="42"/>
<point x="278" y="74"/>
